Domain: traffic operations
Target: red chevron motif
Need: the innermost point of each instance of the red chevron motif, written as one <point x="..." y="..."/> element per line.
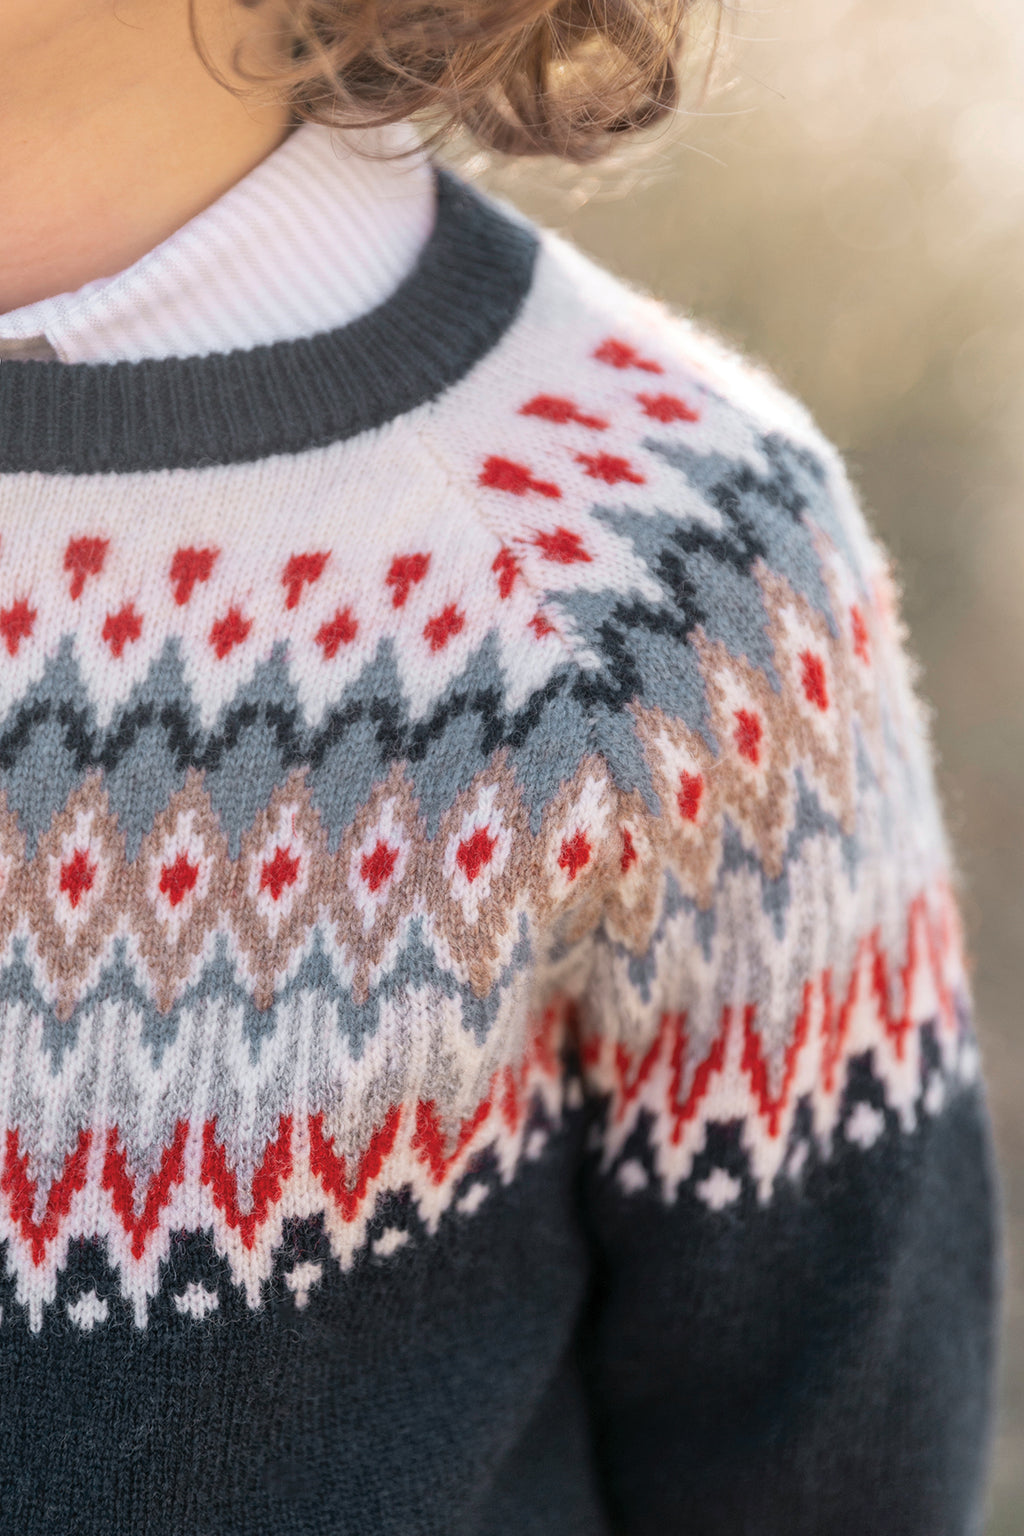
<point x="121" y="1185"/>
<point x="632" y="1074"/>
<point x="432" y="1143"/>
<point x="633" y="1070"/>
<point x="543" y="1056"/>
<point x="22" y="1191"/>
<point x="266" y="1184"/>
<point x="756" y="1068"/>
<point x="880" y="1007"/>
<point x="683" y="1110"/>
<point x="929" y="940"/>
<point x="332" y="1171"/>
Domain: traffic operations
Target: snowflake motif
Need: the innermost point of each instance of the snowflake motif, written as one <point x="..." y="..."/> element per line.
<point x="302" y="1279"/>
<point x="88" y="1311"/>
<point x="196" y="1301"/>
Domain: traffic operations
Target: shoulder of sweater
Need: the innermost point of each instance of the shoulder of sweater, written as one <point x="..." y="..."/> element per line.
<point x="576" y="310"/>
<point x="607" y="439"/>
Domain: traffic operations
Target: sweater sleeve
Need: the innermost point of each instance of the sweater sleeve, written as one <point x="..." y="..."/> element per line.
<point x="788" y="1184"/>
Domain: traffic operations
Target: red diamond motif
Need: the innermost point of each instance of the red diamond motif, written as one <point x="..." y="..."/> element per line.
<point x="280" y="871"/>
<point x="574" y="854"/>
<point x="749" y="731"/>
<point x="378" y="866"/>
<point x="177" y="879"/>
<point x="812" y="672"/>
<point x="476" y="852"/>
<point x="77" y="876"/>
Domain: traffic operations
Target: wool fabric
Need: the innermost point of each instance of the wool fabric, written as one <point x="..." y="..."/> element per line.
<point x="484" y="1038"/>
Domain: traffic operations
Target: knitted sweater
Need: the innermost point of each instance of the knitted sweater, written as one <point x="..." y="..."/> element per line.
<point x="484" y="1045"/>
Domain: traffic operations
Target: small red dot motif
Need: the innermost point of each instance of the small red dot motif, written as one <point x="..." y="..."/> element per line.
<point x="77" y="876"/>
<point x="574" y="854"/>
<point x="812" y="676"/>
<point x="688" y="796"/>
<point x="177" y="879"/>
<point x="629" y="853"/>
<point x="517" y="479"/>
<point x="228" y="632"/>
<point x="749" y="731"/>
<point x="609" y="468"/>
<point x="405" y="572"/>
<point x="122" y="628"/>
<point x="476" y="852"/>
<point x="562" y="547"/>
<point x="280" y="871"/>
<point x="339" y="631"/>
<point x="506" y="567"/>
<point x="300" y="570"/>
<point x="16" y="624"/>
<point x="620" y="354"/>
<point x="667" y="408"/>
<point x="84" y="557"/>
<point x="559" y="410"/>
<point x="541" y="625"/>
<point x="443" y="627"/>
<point x="189" y="566"/>
<point x="378" y="866"/>
<point x="861" y="646"/>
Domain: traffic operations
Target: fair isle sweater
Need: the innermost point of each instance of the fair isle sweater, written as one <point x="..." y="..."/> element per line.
<point x="484" y="1043"/>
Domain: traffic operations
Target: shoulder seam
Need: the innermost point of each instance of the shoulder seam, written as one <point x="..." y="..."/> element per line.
<point x="474" y="504"/>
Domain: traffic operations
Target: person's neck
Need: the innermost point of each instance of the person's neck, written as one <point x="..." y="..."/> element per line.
<point x="113" y="134"/>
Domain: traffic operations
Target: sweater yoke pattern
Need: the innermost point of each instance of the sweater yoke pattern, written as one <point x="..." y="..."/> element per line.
<point x="371" y="809"/>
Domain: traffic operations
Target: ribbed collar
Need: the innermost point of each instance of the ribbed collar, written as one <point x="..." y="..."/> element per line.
<point x="318" y="233"/>
<point x="465" y="290"/>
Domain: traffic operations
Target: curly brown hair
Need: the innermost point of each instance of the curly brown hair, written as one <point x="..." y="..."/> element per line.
<point x="525" y="77"/>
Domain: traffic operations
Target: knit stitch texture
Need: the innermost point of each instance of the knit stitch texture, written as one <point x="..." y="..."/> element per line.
<point x="484" y="1041"/>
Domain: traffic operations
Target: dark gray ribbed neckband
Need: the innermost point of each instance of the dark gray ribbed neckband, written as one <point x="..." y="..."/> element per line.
<point x="465" y="291"/>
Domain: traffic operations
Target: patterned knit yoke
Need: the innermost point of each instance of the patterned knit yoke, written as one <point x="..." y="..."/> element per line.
<point x="484" y="1044"/>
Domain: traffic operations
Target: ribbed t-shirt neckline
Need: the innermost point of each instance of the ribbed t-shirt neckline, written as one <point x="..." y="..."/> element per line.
<point x="286" y="397"/>
<point x="316" y="234"/>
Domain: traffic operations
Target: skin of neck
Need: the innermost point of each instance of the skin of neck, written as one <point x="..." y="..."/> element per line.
<point x="113" y="133"/>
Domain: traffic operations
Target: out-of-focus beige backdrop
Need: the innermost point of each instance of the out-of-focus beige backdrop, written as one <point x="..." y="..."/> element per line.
<point x="849" y="207"/>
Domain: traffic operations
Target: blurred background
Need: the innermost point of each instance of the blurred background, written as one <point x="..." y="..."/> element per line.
<point x="848" y="205"/>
